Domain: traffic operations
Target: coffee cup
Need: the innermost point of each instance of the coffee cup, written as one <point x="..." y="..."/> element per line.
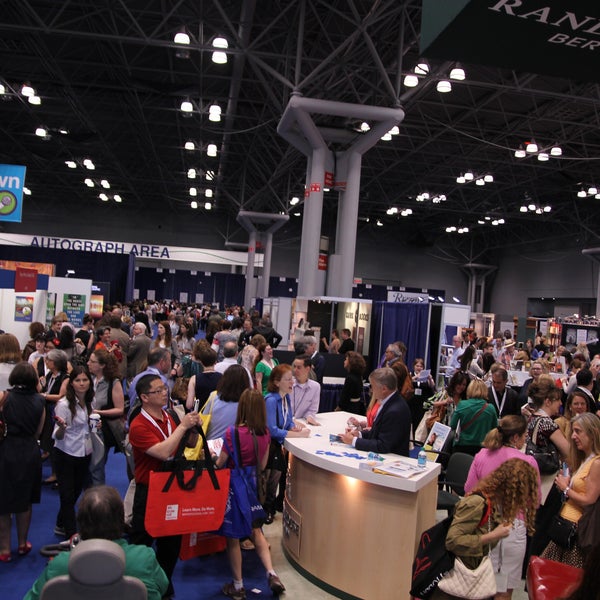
<point x="95" y="422"/>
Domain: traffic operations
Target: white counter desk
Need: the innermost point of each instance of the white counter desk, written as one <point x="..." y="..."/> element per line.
<point x="353" y="531"/>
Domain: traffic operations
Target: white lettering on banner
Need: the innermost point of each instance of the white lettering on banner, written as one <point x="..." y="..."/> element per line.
<point x="548" y="16"/>
<point x="10" y="181"/>
<point x="407" y="297"/>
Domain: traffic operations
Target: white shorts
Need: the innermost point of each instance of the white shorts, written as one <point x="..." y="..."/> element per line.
<point x="510" y="552"/>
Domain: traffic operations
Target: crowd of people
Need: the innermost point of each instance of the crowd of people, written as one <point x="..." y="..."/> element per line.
<point x="220" y="368"/>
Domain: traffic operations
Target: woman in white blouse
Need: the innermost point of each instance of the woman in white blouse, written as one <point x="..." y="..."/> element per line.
<point x="72" y="446"/>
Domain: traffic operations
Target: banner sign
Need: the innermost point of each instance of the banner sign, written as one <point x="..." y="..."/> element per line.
<point x="25" y="280"/>
<point x="409" y="297"/>
<point x="12" y="181"/>
<point x="553" y="37"/>
<point x="147" y="251"/>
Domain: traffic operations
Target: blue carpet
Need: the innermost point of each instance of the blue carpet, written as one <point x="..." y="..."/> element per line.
<point x="199" y="578"/>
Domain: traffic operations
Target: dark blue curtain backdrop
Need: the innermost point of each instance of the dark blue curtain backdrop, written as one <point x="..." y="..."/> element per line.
<point x="396" y="321"/>
<point x="112" y="268"/>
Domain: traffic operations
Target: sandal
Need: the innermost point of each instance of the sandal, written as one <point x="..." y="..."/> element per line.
<point x="5" y="557"/>
<point x="25" y="549"/>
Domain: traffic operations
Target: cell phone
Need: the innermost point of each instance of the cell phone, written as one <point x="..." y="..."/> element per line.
<point x="196" y="405"/>
<point x="334" y="438"/>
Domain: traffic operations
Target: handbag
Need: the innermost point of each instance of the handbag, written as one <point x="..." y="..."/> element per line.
<point x="178" y="505"/>
<point x="195" y="453"/>
<point x="244" y="512"/>
<point x="276" y="460"/>
<point x="432" y="560"/>
<point x="588" y="527"/>
<point x="548" y="579"/>
<point x="261" y="475"/>
<point x="563" y="532"/>
<point x="546" y="457"/>
<point x="421" y="432"/>
<point x="474" y="584"/>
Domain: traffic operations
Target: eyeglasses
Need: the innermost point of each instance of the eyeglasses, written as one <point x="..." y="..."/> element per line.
<point x="161" y="390"/>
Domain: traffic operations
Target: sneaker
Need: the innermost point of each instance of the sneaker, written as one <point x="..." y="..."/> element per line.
<point x="229" y="590"/>
<point x="246" y="545"/>
<point x="275" y="584"/>
<point x="60" y="531"/>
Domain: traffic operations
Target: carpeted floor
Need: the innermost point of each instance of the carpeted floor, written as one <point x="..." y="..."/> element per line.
<point x="198" y="578"/>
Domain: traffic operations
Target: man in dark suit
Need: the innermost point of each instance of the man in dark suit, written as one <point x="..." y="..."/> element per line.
<point x="504" y="399"/>
<point x="317" y="360"/>
<point x="391" y="428"/>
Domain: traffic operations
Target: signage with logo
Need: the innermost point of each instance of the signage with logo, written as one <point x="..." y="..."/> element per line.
<point x="558" y="37"/>
<point x="12" y="182"/>
<point x="409" y="297"/>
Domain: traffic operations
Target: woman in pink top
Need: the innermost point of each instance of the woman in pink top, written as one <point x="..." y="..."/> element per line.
<point x="501" y="444"/>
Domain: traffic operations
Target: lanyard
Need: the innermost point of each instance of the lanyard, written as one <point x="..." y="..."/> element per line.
<point x="501" y="406"/>
<point x="285" y="409"/>
<point x="294" y="402"/>
<point x="153" y="421"/>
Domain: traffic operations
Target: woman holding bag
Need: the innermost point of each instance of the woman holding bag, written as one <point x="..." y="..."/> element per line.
<point x="482" y="519"/>
<point x="247" y="445"/>
<point x="580" y="490"/>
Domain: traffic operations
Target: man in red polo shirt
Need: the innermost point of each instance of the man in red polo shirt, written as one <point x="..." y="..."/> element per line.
<point x="155" y="437"/>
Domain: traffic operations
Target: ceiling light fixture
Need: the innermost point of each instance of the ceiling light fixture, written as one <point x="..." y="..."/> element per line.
<point x="103" y="197"/>
<point x="194" y="204"/>
<point x="458" y="73"/>
<point x="26" y="191"/>
<point x="208" y="205"/>
<point x="469" y="176"/>
<point x="295" y="200"/>
<point x="71" y="164"/>
<point x="191" y="173"/>
<point x="35" y="100"/>
<point x="182" y="37"/>
<point x="211" y="150"/>
<point x="488" y="178"/>
<point x="27" y="90"/>
<point x="444" y="86"/>
<point x="543" y="156"/>
<point x="422" y="68"/>
<point x="214" y="113"/>
<point x="218" y="56"/>
<point x="556" y="151"/>
<point x="386" y="137"/>
<point x="395" y="130"/>
<point x="117" y="198"/>
<point x="411" y="81"/>
<point x="364" y="126"/>
<point x="41" y="132"/>
<point x="193" y="191"/>
<point x="88" y="164"/>
<point x="208" y="193"/>
<point x="531" y="147"/>
<point x="379" y="223"/>
<point x="479" y="181"/>
<point x="186" y="106"/>
<point x="210" y="175"/>
<point x="2" y="89"/>
<point x="88" y="182"/>
<point x="461" y="179"/>
<point x="104" y="183"/>
<point x="189" y="145"/>
<point x="520" y="152"/>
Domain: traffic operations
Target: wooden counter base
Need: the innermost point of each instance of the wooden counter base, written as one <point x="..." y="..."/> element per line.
<point x="357" y="537"/>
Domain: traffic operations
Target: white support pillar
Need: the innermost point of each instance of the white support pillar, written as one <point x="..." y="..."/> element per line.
<point x="250" y="291"/>
<point x="267" y="241"/>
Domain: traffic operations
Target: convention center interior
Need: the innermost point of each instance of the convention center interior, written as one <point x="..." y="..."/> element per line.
<point x="299" y="298"/>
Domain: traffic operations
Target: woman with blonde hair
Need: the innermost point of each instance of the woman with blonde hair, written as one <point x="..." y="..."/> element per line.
<point x="580" y="489"/>
<point x="472" y="419"/>
<point x="485" y="516"/>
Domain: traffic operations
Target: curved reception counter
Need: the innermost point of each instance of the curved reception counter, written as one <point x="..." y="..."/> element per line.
<point x="353" y="531"/>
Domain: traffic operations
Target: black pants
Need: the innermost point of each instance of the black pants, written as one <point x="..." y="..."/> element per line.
<point x="167" y="548"/>
<point x="72" y="472"/>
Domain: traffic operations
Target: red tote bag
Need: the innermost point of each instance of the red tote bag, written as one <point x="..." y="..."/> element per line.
<point x="187" y="497"/>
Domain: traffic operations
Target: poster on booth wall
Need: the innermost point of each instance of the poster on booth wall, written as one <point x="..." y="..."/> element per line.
<point x="50" y="308"/>
<point x="23" y="308"/>
<point x="74" y="306"/>
<point x="96" y="306"/>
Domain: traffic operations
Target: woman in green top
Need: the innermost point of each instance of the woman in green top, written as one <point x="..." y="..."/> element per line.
<point x="263" y="365"/>
<point x="485" y="516"/>
<point x="473" y="418"/>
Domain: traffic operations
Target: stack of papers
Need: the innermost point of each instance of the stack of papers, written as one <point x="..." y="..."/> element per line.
<point x="398" y="468"/>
